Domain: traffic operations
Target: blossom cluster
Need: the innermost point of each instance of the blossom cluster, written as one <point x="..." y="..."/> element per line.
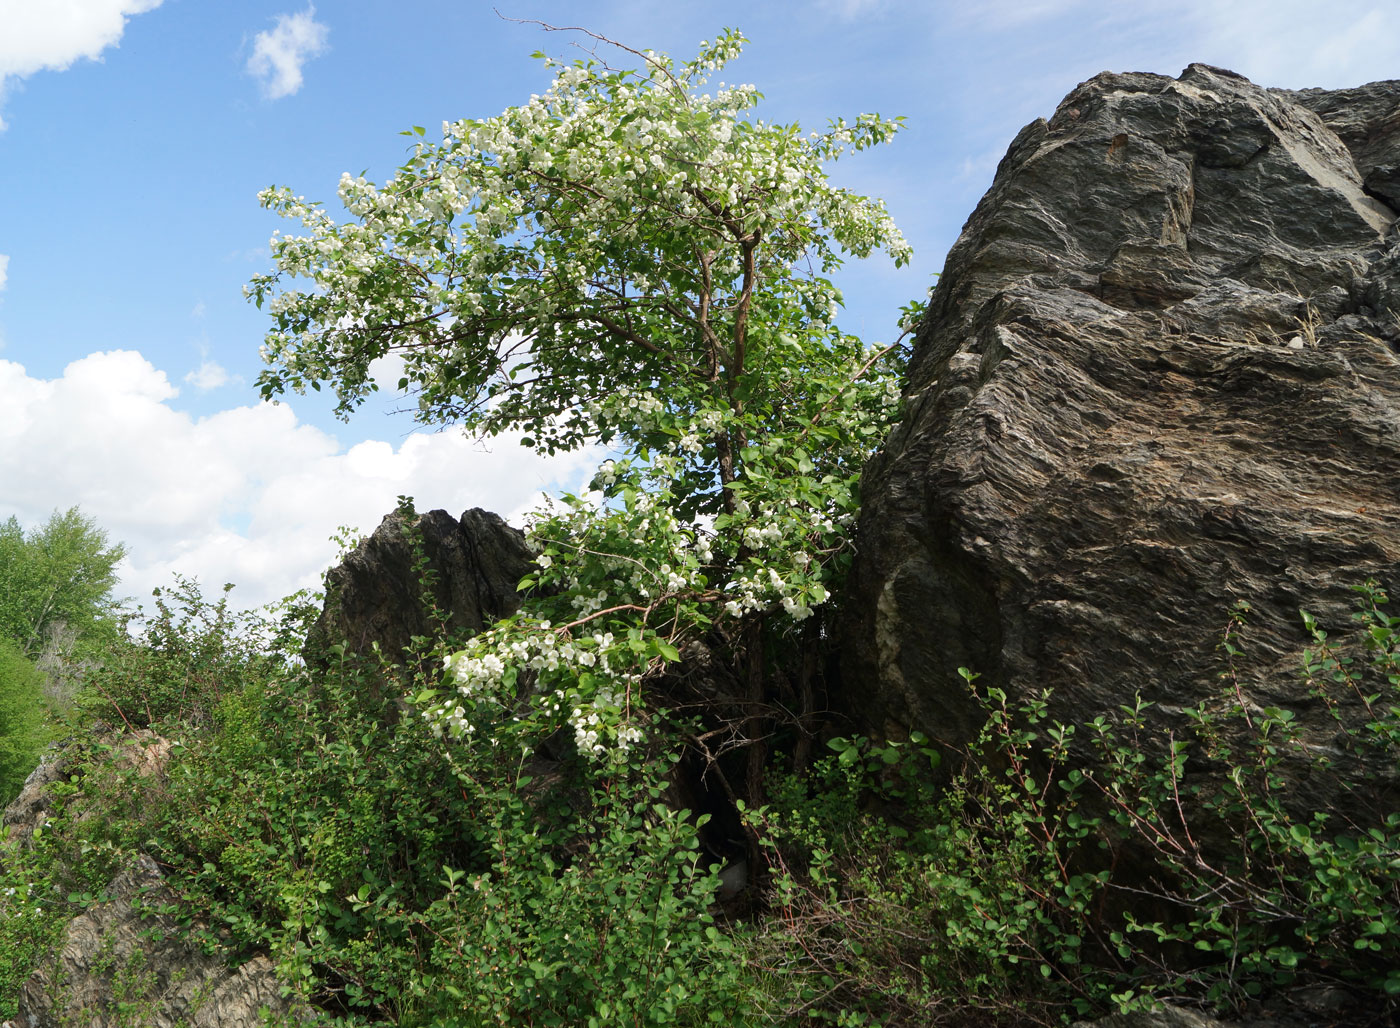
<point x="21" y="901"/>
<point x="538" y="206"/>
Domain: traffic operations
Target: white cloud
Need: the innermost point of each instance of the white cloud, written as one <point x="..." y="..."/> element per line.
<point x="51" y="35"/>
<point x="279" y="53"/>
<point x="209" y="375"/>
<point x="247" y="495"/>
<point x="4" y="269"/>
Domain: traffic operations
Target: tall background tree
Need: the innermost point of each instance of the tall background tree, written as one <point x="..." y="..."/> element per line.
<point x="57" y="579"/>
<point x="56" y="606"/>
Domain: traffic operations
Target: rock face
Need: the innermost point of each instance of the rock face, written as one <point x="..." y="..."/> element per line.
<point x="144" y="751"/>
<point x="33" y="807"/>
<point x="375" y="595"/>
<point x="1159" y="374"/>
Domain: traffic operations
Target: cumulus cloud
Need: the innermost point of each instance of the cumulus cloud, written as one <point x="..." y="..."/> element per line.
<point x="248" y="495"/>
<point x="53" y="34"/>
<point x="4" y="269"/>
<point x="280" y="52"/>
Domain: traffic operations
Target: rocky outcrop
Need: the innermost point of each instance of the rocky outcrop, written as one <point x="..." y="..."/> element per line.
<point x="1158" y="375"/>
<point x="376" y="595"/>
<point x="1305" y="1008"/>
<point x="33" y="807"/>
<point x="128" y="960"/>
<point x="1166" y="1017"/>
<point x="143" y="751"/>
<point x="1367" y="120"/>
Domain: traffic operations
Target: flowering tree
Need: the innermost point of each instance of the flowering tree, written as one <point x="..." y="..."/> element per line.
<point x="629" y="259"/>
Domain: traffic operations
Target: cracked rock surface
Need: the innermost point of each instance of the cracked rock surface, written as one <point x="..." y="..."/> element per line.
<point x="131" y="958"/>
<point x="374" y="596"/>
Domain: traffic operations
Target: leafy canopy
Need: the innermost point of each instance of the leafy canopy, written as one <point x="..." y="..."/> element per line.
<point x="59" y="575"/>
<point x="621" y="234"/>
<point x="631" y="259"/>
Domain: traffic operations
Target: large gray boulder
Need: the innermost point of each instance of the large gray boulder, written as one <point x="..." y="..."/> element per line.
<point x="1159" y="374"/>
<point x="376" y="596"/>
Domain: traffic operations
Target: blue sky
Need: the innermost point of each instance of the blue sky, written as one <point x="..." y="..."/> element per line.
<point x="137" y="132"/>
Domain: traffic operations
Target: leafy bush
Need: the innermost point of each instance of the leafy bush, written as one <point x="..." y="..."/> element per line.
<point x="1305" y="896"/>
<point x="184" y="657"/>
<point x="396" y="879"/>
<point x="393" y="879"/>
<point x="600" y="916"/>
<point x="32" y="916"/>
<point x="22" y="730"/>
<point x="94" y="823"/>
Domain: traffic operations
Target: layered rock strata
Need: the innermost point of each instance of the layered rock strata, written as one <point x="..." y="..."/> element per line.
<point x="1158" y="375"/>
<point x="131" y="958"/>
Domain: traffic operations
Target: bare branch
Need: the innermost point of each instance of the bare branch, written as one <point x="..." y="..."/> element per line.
<point x="547" y="27"/>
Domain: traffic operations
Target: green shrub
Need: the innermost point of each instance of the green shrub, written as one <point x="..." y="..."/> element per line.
<point x="67" y="862"/>
<point x="398" y="879"/>
<point x="891" y="906"/>
<point x="186" y="654"/>
<point x="601" y="917"/>
<point x="22" y="730"/>
<point x="33" y="912"/>
<point x="1305" y="896"/>
<point x="1034" y="886"/>
<point x="394" y="879"/>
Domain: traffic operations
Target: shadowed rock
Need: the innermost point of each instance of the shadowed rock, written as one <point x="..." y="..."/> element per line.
<point x="1367" y="120"/>
<point x="1158" y="375"/>
<point x="376" y="595"/>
